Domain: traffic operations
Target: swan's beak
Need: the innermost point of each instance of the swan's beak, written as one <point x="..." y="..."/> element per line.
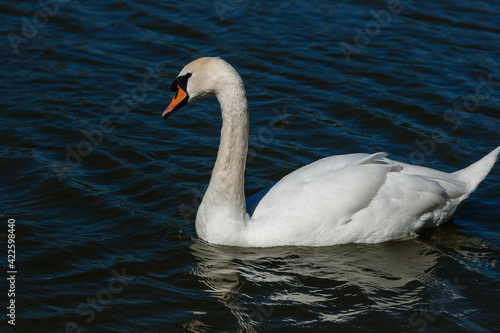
<point x="180" y="99"/>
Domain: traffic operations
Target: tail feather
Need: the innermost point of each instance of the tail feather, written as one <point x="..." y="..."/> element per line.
<point x="475" y="173"/>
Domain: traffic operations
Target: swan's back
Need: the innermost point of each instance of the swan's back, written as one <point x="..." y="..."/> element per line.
<point x="360" y="198"/>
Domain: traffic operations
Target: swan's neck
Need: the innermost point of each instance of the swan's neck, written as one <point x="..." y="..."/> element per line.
<point x="222" y="212"/>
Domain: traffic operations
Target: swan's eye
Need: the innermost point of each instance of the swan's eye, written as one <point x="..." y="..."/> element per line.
<point x="189" y="75"/>
<point x="181" y="81"/>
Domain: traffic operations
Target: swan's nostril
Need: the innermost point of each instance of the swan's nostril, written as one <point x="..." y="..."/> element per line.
<point x="180" y="99"/>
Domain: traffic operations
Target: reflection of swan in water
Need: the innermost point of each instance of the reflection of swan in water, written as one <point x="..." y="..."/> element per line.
<point x="252" y="282"/>
<point x="338" y="283"/>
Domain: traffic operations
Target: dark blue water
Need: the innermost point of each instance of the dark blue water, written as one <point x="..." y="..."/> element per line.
<point x="104" y="192"/>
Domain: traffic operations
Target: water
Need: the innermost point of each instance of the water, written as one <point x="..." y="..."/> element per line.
<point x="104" y="192"/>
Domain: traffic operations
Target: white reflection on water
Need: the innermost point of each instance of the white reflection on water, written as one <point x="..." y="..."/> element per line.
<point x="360" y="277"/>
<point x="339" y="284"/>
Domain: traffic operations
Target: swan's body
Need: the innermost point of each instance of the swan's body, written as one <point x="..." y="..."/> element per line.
<point x="339" y="199"/>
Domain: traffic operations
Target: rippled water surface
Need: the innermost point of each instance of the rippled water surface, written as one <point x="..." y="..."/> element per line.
<point x="104" y="192"/>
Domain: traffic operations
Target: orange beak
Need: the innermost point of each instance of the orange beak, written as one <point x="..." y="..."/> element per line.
<point x="180" y="99"/>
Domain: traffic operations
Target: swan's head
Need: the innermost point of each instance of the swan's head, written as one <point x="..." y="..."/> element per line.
<point x="201" y="77"/>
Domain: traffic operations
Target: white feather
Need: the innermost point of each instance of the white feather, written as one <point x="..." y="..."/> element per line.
<point x="338" y="199"/>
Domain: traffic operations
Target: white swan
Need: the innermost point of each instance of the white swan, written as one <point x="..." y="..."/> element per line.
<point x="363" y="198"/>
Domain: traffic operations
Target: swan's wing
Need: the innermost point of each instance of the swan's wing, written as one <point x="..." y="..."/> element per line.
<point x="453" y="186"/>
<point x="335" y="187"/>
<point x="355" y="198"/>
<point x="407" y="203"/>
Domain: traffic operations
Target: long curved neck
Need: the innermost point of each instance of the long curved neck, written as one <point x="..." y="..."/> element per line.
<point x="222" y="212"/>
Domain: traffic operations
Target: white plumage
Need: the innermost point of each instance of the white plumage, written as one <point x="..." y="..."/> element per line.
<point x="336" y="200"/>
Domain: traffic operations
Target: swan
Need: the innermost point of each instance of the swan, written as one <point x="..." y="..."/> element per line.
<point x="354" y="198"/>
